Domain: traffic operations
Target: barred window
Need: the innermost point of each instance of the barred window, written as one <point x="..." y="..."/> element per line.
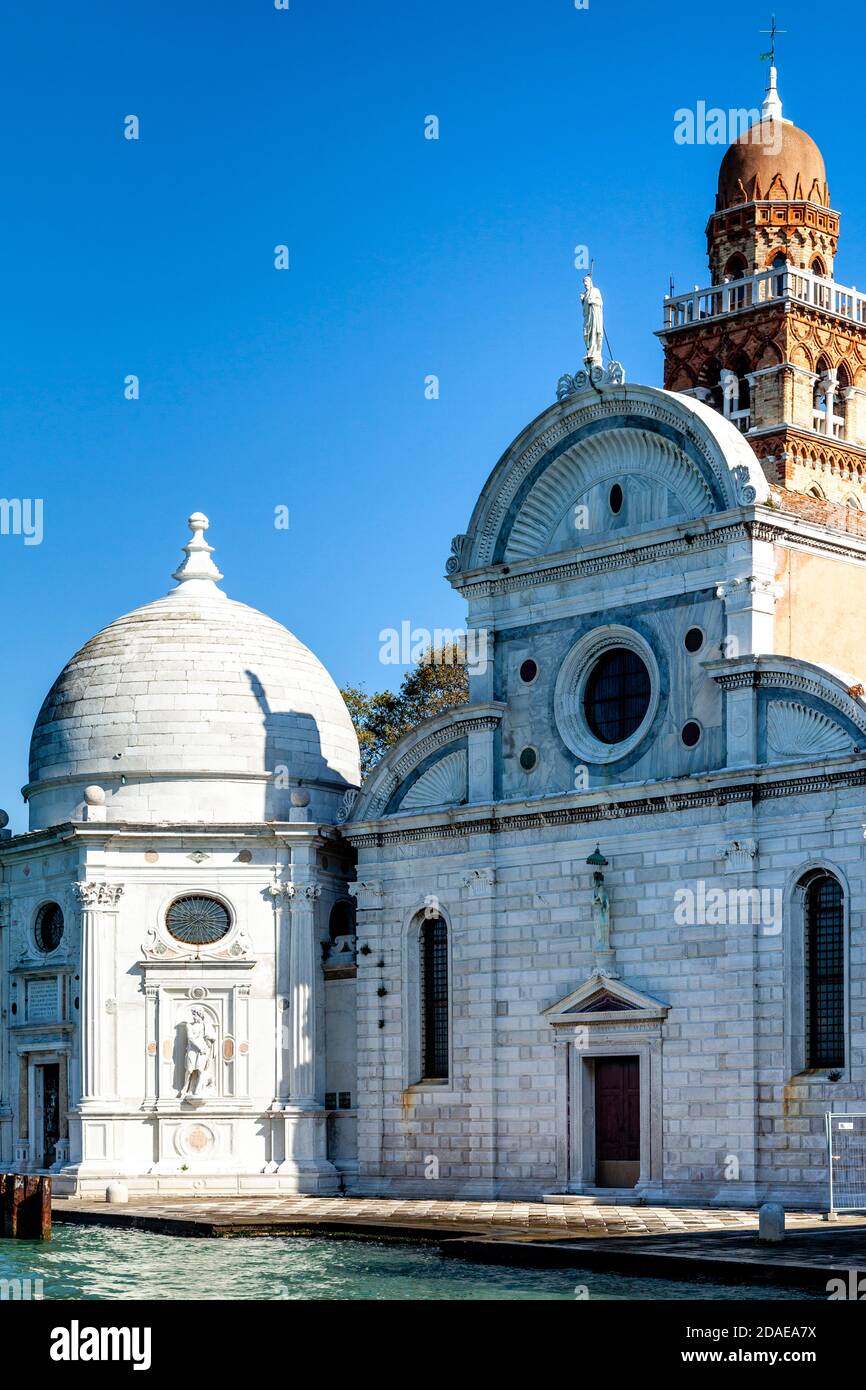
<point x="197" y="921"/>
<point x="825" y="973"/>
<point x="48" y="928"/>
<point x="434" y="999"/>
<point x="617" y="695"/>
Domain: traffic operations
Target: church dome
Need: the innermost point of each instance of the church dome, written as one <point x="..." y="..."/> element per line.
<point x="193" y="707"/>
<point x="773" y="160"/>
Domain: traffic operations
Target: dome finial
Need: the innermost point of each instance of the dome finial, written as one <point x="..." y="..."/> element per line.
<point x="772" y="107"/>
<point x="197" y="575"/>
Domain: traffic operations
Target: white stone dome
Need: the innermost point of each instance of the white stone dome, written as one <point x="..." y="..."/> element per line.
<point x="194" y="707"/>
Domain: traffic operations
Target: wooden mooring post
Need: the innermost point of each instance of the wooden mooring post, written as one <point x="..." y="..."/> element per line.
<point x="25" y="1207"/>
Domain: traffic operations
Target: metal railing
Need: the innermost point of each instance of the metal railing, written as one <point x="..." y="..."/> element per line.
<point x="764" y="288"/>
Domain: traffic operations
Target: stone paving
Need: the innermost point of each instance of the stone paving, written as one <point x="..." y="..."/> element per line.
<point x="508" y="1220"/>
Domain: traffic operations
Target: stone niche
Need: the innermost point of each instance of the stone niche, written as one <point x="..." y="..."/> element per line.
<point x="200" y="1131"/>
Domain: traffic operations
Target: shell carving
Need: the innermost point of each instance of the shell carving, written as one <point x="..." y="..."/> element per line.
<point x="601" y="459"/>
<point x="443" y="784"/>
<point x="796" y="731"/>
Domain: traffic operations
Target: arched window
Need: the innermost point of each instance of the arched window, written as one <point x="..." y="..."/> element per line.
<point x="736" y="269"/>
<point x="819" y="396"/>
<point x="780" y="263"/>
<point x="824" y="960"/>
<point x="342" y="919"/>
<point x="711" y="381"/>
<point x="821" y="294"/>
<point x="742" y="366"/>
<point x="434" y="999"/>
<point x="738" y="392"/>
<point x="840" y="402"/>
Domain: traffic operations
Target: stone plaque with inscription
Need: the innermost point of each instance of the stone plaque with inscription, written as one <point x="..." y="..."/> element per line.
<point x="42" y="1001"/>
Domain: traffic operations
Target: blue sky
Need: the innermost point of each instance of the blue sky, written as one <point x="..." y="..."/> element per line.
<point x="408" y="257"/>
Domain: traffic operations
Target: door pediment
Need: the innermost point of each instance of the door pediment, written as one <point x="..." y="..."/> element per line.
<point x="604" y="1000"/>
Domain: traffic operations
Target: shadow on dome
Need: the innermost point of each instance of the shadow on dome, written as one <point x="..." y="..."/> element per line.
<point x="294" y="758"/>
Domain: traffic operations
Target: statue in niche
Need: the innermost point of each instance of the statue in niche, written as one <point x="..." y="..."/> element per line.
<point x="198" y="1056"/>
<point x="600" y="914"/>
<point x="593" y="322"/>
<point x="601" y="947"/>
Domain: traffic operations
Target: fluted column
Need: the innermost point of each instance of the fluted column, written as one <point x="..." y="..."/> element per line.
<point x="304" y="969"/>
<point x="281" y="895"/>
<point x="97" y="901"/>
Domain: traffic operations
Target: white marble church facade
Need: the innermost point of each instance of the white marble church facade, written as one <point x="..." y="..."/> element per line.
<point x="601" y="928"/>
<point x="713" y="835"/>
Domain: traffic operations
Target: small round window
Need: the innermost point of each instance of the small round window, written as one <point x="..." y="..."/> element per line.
<point x="528" y="671"/>
<point x="693" y="640"/>
<point x="198" y="921"/>
<point x="528" y="759"/>
<point x="48" y="929"/>
<point x="617" y="695"/>
<point x="691" y="733"/>
<point x="615" y="499"/>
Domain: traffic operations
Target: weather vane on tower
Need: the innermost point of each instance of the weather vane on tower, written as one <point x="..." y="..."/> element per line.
<point x="770" y="57"/>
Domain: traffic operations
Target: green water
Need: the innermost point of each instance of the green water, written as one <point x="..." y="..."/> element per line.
<point x="96" y="1262"/>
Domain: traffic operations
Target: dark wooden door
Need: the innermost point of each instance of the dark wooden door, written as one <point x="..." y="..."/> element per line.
<point x="617" y="1121"/>
<point x="50" y="1112"/>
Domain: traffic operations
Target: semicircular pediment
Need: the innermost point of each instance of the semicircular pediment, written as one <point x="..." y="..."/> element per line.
<point x="569" y="503"/>
<point x="675" y="458"/>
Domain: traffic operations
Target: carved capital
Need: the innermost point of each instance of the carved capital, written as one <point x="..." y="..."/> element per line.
<point x="366" y="895"/>
<point x="312" y="892"/>
<point x="739" y="855"/>
<point x="479" y="882"/>
<point x="98" y="894"/>
<point x="279" y="891"/>
<point x="743" y="593"/>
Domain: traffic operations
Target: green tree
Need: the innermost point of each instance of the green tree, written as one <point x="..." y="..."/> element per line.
<point x="438" y="682"/>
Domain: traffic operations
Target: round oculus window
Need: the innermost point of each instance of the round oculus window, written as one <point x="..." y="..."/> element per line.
<point x="528" y="759"/>
<point x="48" y="929"/>
<point x="615" y="499"/>
<point x="198" y="921"/>
<point x="691" y="733"/>
<point x="528" y="671"/>
<point x="693" y="640"/>
<point x="617" y="695"/>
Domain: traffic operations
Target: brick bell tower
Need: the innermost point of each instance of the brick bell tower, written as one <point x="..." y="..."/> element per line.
<point x="774" y="342"/>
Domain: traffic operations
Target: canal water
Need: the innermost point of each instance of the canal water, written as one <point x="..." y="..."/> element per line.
<point x="97" y="1262"/>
